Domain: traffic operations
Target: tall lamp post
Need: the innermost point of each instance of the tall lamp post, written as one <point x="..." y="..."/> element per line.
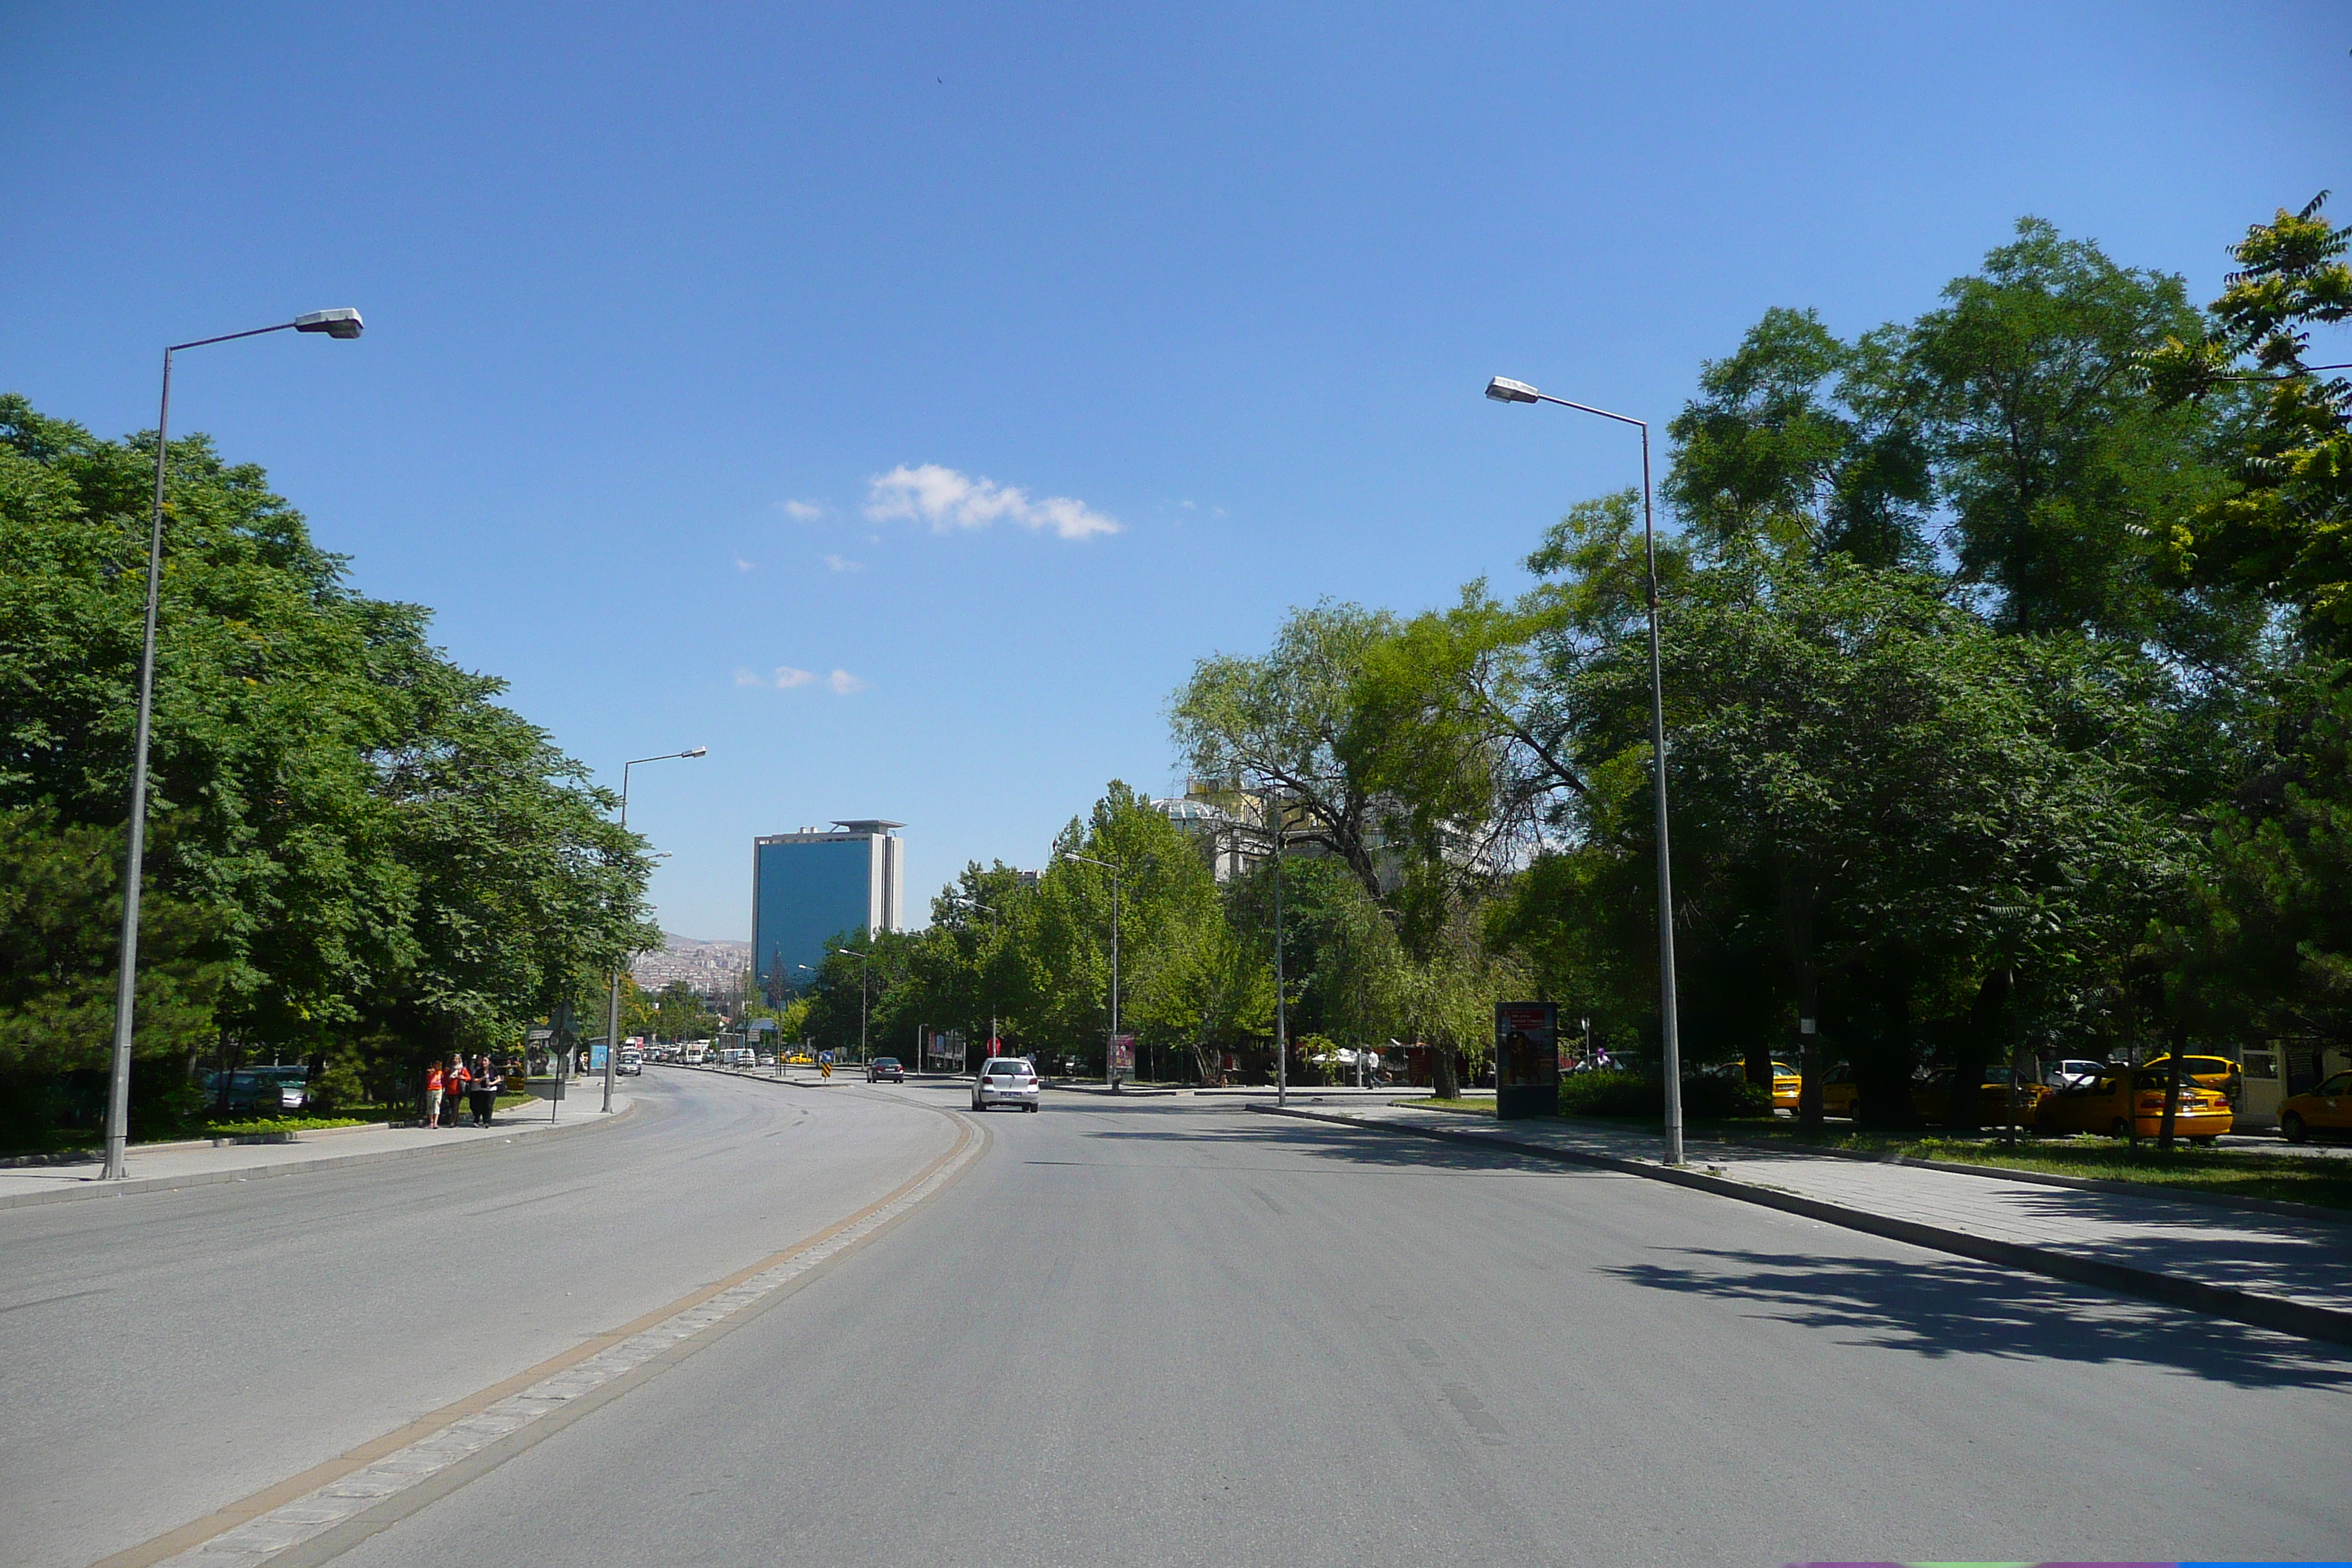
<point x="1114" y="879"/>
<point x="335" y="324"/>
<point x="613" y="996"/>
<point x="1281" y="997"/>
<point x="1503" y="390"/>
<point x="861" y="957"/>
<point x="995" y="936"/>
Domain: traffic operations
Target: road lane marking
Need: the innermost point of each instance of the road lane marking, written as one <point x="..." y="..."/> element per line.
<point x="307" y="1506"/>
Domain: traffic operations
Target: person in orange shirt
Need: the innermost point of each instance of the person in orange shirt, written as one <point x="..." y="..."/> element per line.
<point x="433" y="1088"/>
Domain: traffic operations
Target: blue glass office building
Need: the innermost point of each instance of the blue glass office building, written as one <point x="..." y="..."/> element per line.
<point x="811" y="888"/>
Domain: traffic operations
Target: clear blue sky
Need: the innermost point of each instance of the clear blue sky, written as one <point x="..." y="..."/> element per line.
<point x="660" y="299"/>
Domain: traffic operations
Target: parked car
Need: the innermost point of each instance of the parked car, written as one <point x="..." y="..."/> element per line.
<point x="881" y="1067"/>
<point x="1931" y="1099"/>
<point x="2129" y="1101"/>
<point x="1787" y="1081"/>
<point x="631" y="1062"/>
<point x="2328" y="1108"/>
<point x="1841" y="1096"/>
<point x="1007" y="1080"/>
<point x="2218" y="1074"/>
<point x="2074" y="1073"/>
<point x="272" y="1090"/>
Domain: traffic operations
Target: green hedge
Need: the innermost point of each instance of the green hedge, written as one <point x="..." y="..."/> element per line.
<point x="1618" y="1093"/>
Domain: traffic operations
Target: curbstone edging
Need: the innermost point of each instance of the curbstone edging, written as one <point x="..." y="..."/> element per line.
<point x="2262" y="1311"/>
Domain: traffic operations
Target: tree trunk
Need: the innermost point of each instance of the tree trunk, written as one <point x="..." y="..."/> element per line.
<point x="1446" y="1083"/>
<point x="1882" y="1073"/>
<point x="2178" y="1030"/>
<point x="1976" y="1046"/>
<point x="1796" y="939"/>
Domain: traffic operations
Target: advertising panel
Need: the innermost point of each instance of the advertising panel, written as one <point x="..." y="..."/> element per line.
<point x="1122" y="1059"/>
<point x="1527" y="1058"/>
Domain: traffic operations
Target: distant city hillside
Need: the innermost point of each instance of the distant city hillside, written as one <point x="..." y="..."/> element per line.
<point x="711" y="968"/>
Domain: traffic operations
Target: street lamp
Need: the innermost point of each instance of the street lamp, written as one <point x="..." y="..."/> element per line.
<point x="861" y="957"/>
<point x="335" y="324"/>
<point x="1114" y="879"/>
<point x="1503" y="390"/>
<point x="613" y="998"/>
<point x="996" y="936"/>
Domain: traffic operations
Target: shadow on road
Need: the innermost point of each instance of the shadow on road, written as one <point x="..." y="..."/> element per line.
<point x="1382" y="1150"/>
<point x="1938" y="1308"/>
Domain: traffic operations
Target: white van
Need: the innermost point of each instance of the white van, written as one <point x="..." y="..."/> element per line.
<point x="694" y="1053"/>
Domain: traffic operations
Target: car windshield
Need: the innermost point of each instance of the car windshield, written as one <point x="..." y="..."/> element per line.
<point x="1009" y="1069"/>
<point x="885" y="1062"/>
<point x="2160" y="1077"/>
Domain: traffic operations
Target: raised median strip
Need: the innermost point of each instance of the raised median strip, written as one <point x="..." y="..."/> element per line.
<point x="2311" y="1320"/>
<point x="254" y="1162"/>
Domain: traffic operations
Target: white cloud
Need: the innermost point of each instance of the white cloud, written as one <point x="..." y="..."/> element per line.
<point x="741" y="565"/>
<point x="843" y="563"/>
<point x="800" y="510"/>
<point x="786" y="678"/>
<point x="947" y="499"/>
<point x="844" y="684"/>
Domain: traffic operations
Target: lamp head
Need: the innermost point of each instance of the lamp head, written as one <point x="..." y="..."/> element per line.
<point x="334" y="323"/>
<point x="1502" y="389"/>
<point x="696" y="751"/>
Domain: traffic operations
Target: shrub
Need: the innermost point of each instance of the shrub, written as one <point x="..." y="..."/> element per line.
<point x="1620" y="1093"/>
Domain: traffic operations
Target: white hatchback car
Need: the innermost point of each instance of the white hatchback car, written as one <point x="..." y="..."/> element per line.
<point x="1007" y="1080"/>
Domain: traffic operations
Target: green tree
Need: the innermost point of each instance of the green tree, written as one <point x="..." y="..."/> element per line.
<point x="353" y="847"/>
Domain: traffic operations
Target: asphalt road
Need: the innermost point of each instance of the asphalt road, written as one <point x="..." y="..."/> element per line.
<point x="1171" y="1332"/>
<point x="165" y="1353"/>
<point x="1174" y="1332"/>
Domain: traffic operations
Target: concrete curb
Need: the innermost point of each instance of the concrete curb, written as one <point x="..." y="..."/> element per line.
<point x="2275" y="1312"/>
<point x="137" y="1184"/>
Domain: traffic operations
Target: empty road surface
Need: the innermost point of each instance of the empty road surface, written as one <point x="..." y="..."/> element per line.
<point x="1160" y="1330"/>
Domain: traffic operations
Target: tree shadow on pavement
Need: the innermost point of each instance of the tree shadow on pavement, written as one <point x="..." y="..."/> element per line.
<point x="1950" y="1307"/>
<point x="1366" y="1147"/>
<point x="2246" y="1250"/>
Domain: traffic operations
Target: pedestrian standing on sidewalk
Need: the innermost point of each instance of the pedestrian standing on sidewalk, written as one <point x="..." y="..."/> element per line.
<point x="458" y="1081"/>
<point x="485" y="1094"/>
<point x="433" y="1086"/>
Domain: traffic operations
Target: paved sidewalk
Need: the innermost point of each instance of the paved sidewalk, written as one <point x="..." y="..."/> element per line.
<point x="2274" y="1258"/>
<point x="189" y="1165"/>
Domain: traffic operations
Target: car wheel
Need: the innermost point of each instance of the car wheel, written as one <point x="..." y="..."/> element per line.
<point x="2120" y="1128"/>
<point x="2292" y="1128"/>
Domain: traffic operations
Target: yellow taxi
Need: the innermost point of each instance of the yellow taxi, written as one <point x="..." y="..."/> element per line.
<point x="2218" y="1074"/>
<point x="1931" y="1099"/>
<point x="1841" y="1096"/>
<point x="2328" y="1108"/>
<point x="1786" y="1083"/>
<point x="2126" y="1103"/>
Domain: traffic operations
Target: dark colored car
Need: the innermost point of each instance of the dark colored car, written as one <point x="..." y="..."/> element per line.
<point x="270" y="1090"/>
<point x="881" y="1067"/>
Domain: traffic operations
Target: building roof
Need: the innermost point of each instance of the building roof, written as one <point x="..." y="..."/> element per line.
<point x="869" y="824"/>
